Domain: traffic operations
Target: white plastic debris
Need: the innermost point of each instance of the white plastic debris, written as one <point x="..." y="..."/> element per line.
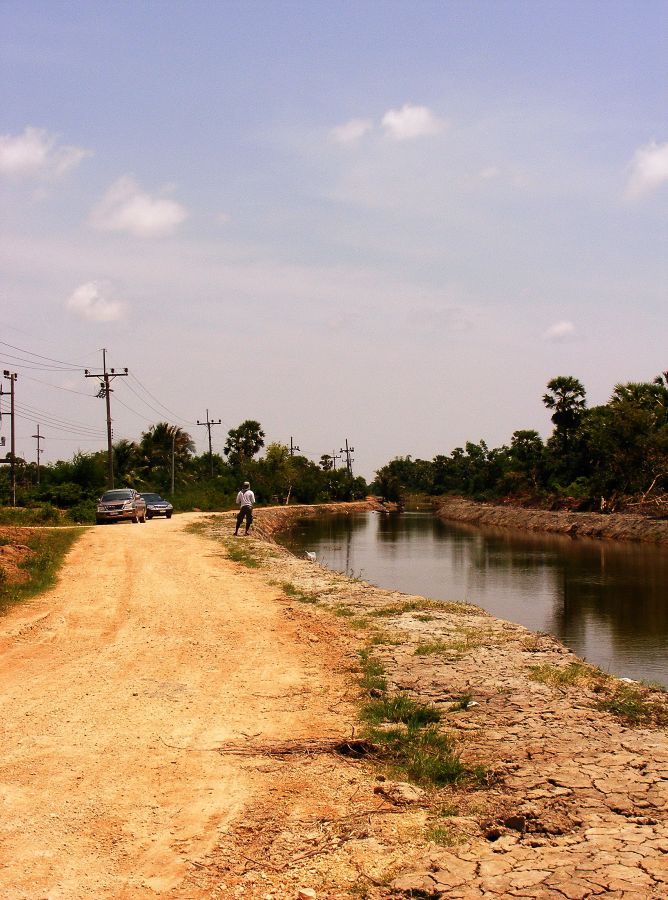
<point x="309" y="555"/>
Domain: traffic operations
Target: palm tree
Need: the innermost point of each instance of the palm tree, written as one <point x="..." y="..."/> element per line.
<point x="244" y="442"/>
<point x="164" y="445"/>
<point x="567" y="398"/>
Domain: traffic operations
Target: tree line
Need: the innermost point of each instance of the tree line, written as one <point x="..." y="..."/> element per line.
<point x="207" y="481"/>
<point x="607" y="457"/>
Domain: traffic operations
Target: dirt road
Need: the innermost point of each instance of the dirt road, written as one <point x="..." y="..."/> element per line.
<point x="118" y="688"/>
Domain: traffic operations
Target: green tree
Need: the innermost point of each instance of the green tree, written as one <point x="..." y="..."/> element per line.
<point x="567" y="398"/>
<point x="244" y="442"/>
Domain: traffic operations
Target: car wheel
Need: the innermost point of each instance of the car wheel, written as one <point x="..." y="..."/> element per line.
<point x="149" y="515"/>
<point x="168" y="515"/>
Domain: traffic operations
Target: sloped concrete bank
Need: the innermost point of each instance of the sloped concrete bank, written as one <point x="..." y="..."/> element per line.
<point x="576" y="799"/>
<point x="613" y="526"/>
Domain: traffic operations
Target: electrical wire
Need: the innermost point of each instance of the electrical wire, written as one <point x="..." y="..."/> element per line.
<point x="39" y="356"/>
<point x="58" y="387"/>
<point x="159" y="402"/>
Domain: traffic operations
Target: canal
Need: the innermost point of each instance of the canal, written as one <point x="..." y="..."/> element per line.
<point x="607" y="601"/>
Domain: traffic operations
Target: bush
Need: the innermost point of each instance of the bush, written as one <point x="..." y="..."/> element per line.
<point x="83" y="513"/>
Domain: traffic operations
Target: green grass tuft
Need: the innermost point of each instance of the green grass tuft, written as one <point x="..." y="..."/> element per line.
<point x="400" y="708"/>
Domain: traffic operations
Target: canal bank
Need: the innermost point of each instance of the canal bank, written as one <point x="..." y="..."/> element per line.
<point x="574" y="797"/>
<point x="612" y="526"/>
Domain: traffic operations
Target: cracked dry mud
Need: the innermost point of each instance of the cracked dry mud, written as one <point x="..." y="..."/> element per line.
<point x="148" y="701"/>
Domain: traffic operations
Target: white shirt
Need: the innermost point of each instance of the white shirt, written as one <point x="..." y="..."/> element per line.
<point x="245" y="498"/>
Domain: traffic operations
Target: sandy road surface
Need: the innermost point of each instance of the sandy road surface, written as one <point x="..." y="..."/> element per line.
<point x="152" y="638"/>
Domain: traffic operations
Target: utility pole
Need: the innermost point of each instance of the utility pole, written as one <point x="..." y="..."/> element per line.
<point x="105" y="379"/>
<point x="12" y="376"/>
<point x="293" y="447"/>
<point x="39" y="437"/>
<point x="349" y="459"/>
<point x="209" y="422"/>
<point x="335" y="456"/>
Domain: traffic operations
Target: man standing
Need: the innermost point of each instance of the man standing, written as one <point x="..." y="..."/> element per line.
<point x="245" y="499"/>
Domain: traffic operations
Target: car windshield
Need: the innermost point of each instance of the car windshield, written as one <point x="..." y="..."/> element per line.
<point x="152" y="498"/>
<point x="109" y="496"/>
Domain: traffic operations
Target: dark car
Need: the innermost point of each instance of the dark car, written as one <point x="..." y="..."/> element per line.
<point x="156" y="506"/>
<point x="124" y="503"/>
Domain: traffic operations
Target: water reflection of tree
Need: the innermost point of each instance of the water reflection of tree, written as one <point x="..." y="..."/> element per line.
<point x="621" y="585"/>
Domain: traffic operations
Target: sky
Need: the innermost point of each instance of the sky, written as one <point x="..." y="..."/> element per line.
<point x="386" y="222"/>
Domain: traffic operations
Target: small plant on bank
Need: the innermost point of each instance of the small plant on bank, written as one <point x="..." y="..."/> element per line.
<point x="575" y="673"/>
<point x="400" y="709"/>
<point x="422" y="755"/>
<point x="291" y="590"/>
<point x="635" y="706"/>
<point x="444" y="837"/>
<point x="429" y="648"/>
<point x="373" y="673"/>
<point x="241" y="554"/>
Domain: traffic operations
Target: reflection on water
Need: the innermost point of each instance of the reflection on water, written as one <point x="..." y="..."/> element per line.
<point x="607" y="601"/>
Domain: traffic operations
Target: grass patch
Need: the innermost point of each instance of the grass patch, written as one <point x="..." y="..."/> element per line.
<point x="422" y="755"/>
<point x="42" y="565"/>
<point x="373" y="673"/>
<point x="241" y="554"/>
<point x="444" y="837"/>
<point x="635" y="706"/>
<point x="400" y="709"/>
<point x="467" y="640"/>
<point x="344" y="612"/>
<point x="575" y="673"/>
<point x="291" y="590"/>
<point x="409" y="606"/>
<point x="429" y="648"/>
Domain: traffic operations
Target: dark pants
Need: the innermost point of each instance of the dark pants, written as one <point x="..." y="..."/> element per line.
<point x="246" y="512"/>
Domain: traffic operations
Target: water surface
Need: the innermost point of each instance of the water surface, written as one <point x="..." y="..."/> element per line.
<point x="607" y="601"/>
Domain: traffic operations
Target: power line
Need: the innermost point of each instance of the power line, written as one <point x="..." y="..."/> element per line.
<point x="58" y="387"/>
<point x="38" y="355"/>
<point x="73" y="431"/>
<point x="159" y="402"/>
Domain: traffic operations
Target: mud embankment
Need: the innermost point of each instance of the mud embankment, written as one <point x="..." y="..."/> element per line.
<point x="269" y="521"/>
<point x="613" y="526"/>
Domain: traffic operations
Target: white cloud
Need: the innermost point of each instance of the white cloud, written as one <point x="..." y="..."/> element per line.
<point x="411" y="122"/>
<point x="649" y="169"/>
<point x="125" y="207"/>
<point x="36" y="153"/>
<point x="90" y="301"/>
<point x="560" y="331"/>
<point x="350" y="132"/>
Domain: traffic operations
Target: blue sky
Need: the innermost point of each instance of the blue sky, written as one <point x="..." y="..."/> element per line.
<point x="391" y="222"/>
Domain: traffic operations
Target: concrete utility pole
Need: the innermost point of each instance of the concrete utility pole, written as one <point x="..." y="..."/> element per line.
<point x="293" y="447"/>
<point x="209" y="422"/>
<point x="105" y="390"/>
<point x="12" y="376"/>
<point x="39" y="437"/>
<point x="349" y="459"/>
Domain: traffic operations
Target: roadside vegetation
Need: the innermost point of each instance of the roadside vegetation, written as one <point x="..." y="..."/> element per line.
<point x="634" y="704"/>
<point x="404" y="737"/>
<point x="44" y="551"/>
<point x="608" y="457"/>
<point x="68" y="489"/>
